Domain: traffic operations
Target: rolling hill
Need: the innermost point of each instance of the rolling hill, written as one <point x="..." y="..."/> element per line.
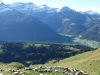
<point x="89" y="62"/>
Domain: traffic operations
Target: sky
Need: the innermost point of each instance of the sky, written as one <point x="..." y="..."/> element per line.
<point x="79" y="5"/>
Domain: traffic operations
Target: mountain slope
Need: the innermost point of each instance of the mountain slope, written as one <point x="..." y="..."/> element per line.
<point x="17" y="26"/>
<point x="64" y="21"/>
<point x="43" y="13"/>
<point x="92" y="33"/>
<point x="89" y="62"/>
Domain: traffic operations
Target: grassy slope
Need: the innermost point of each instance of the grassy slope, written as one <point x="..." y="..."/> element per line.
<point x="91" y="43"/>
<point x="89" y="62"/>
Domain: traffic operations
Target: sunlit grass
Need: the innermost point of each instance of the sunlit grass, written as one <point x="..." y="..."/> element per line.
<point x="89" y="62"/>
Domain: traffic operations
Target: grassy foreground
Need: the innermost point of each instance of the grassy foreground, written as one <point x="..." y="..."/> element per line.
<point x="89" y="62"/>
<point x="12" y="68"/>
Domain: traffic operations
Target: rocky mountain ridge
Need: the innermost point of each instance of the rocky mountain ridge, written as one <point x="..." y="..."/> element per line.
<point x="64" y="21"/>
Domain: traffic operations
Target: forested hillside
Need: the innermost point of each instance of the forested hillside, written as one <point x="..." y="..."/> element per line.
<point x="37" y="53"/>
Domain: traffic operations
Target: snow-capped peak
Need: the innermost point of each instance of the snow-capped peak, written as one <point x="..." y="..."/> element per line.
<point x="90" y="12"/>
<point x="3" y="7"/>
<point x="44" y="6"/>
<point x="65" y="8"/>
<point x="1" y="2"/>
<point x="24" y="6"/>
<point x="58" y="10"/>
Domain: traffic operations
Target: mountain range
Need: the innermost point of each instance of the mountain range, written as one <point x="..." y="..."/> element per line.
<point x="29" y="22"/>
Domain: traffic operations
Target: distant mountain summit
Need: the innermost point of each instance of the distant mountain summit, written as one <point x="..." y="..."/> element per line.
<point x="44" y="6"/>
<point x="18" y="26"/>
<point x="44" y="22"/>
<point x="1" y="2"/>
<point x="90" y="12"/>
<point x="65" y="8"/>
<point x="15" y="26"/>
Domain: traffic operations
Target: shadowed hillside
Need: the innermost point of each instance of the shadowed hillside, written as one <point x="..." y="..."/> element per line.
<point x="36" y="53"/>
